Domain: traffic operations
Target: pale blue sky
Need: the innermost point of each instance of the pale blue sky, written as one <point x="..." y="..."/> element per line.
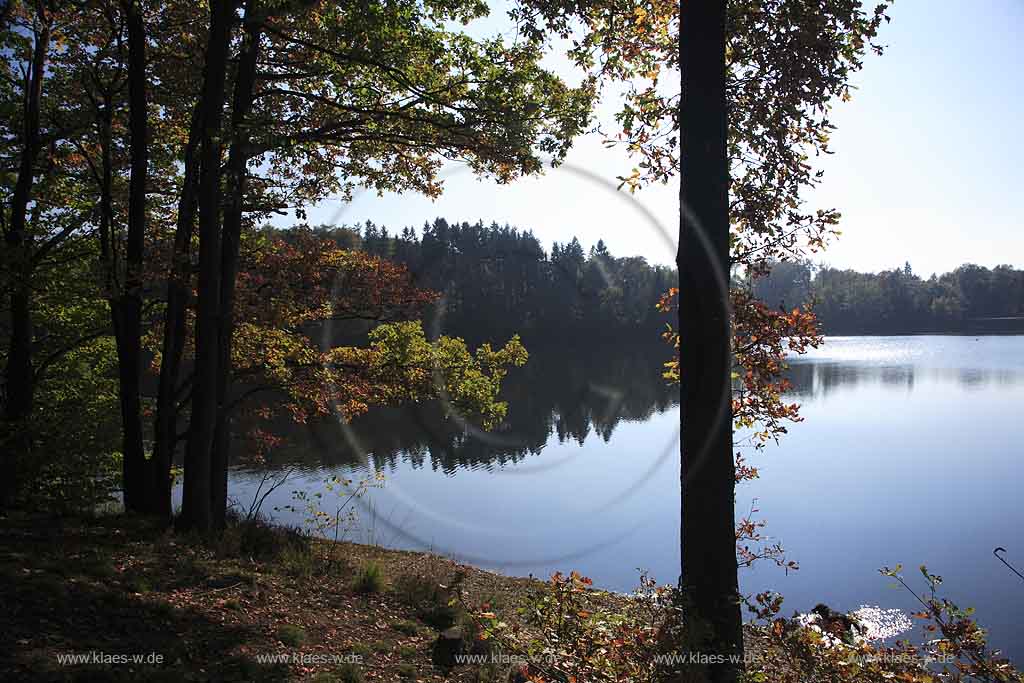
<point x="926" y="163"/>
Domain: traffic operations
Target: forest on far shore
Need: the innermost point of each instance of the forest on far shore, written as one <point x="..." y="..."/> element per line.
<point x="971" y="299"/>
<point x="498" y="280"/>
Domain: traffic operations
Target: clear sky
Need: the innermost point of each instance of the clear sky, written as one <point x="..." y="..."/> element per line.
<point x="926" y="163"/>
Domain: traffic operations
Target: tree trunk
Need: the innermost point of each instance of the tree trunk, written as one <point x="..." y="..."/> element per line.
<point x="137" y="494"/>
<point x="238" y="156"/>
<point x="18" y="375"/>
<point x="165" y="437"/>
<point x="709" y="571"/>
<point x="197" y="484"/>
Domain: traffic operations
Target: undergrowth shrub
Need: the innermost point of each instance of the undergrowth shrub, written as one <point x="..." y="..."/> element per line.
<point x="564" y="633"/>
<point x="431" y="590"/>
<point x="349" y="673"/>
<point x="74" y="464"/>
<point x="369" y="579"/>
<point x="406" y="627"/>
<point x="953" y="647"/>
<point x="258" y="539"/>
<point x="291" y="635"/>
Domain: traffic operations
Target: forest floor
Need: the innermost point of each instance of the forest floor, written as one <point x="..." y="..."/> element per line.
<point x="100" y="599"/>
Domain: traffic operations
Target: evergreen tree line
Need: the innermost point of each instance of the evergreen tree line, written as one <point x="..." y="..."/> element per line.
<point x="497" y="281"/>
<point x="970" y="299"/>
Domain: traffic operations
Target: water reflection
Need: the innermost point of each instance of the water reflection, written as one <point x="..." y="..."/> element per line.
<point x="813" y="378"/>
<point x="572" y="395"/>
<point x="904" y="456"/>
<point x="560" y="396"/>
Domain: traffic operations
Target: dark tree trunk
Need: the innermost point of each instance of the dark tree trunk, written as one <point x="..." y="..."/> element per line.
<point x="115" y="300"/>
<point x="709" y="569"/>
<point x="165" y="436"/>
<point x="238" y="156"/>
<point x="137" y="494"/>
<point x="18" y="375"/>
<point x="197" y="485"/>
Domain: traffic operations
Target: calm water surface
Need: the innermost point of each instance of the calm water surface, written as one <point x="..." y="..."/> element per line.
<point x="910" y="453"/>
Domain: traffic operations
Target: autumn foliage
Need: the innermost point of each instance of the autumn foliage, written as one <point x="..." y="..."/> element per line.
<point x="295" y="292"/>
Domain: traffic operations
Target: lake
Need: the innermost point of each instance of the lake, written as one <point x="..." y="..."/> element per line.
<point x="909" y="453"/>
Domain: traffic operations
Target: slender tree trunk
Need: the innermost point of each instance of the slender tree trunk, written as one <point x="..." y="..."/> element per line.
<point x="238" y="156"/>
<point x="709" y="568"/>
<point x="165" y="436"/>
<point x="18" y="375"/>
<point x="197" y="484"/>
<point x="137" y="494"/>
<point x="112" y="289"/>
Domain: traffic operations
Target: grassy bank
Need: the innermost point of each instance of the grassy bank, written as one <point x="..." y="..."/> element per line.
<point x="114" y="587"/>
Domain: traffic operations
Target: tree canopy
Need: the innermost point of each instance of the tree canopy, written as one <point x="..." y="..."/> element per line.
<point x="145" y="134"/>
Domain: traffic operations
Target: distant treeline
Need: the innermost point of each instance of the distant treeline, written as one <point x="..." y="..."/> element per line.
<point x="970" y="299"/>
<point x="498" y="281"/>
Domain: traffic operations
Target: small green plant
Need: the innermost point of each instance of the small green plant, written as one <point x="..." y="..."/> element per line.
<point x="406" y="671"/>
<point x="244" y="668"/>
<point x="298" y="562"/>
<point x="440" y="616"/>
<point x="349" y="673"/>
<point x="490" y="672"/>
<point x="139" y="584"/>
<point x="256" y="538"/>
<point x="361" y="649"/>
<point x="369" y="579"/>
<point x="431" y="591"/>
<point x="409" y="628"/>
<point x="189" y="569"/>
<point x="406" y="651"/>
<point x="340" y="516"/>
<point x="291" y="635"/>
